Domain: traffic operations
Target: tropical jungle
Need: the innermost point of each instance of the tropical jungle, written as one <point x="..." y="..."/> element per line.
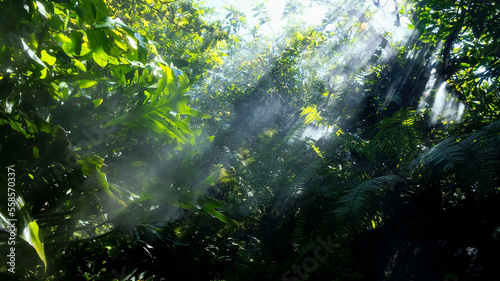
<point x="233" y="140"/>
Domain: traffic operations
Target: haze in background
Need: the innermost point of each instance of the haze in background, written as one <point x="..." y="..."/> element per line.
<point x="313" y="14"/>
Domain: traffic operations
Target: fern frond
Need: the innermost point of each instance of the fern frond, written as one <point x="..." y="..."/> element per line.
<point x="312" y="114"/>
<point x="446" y="156"/>
<point x="399" y="137"/>
<point x="355" y="209"/>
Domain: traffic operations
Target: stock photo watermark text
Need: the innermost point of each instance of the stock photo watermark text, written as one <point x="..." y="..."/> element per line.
<point x="311" y="263"/>
<point x="11" y="210"/>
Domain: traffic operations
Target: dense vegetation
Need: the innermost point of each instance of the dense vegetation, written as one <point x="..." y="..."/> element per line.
<point x="148" y="140"/>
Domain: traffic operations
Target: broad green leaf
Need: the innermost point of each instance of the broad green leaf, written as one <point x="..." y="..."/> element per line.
<point x="97" y="102"/>
<point x="91" y="166"/>
<point x="98" y="40"/>
<point x="76" y="42"/>
<point x="120" y="42"/>
<point x="171" y="79"/>
<point x="101" y="9"/>
<point x="65" y="42"/>
<point x="79" y="65"/>
<point x="110" y="23"/>
<point x="142" y="51"/>
<point x="100" y="57"/>
<point x="209" y="207"/>
<point x="84" y="83"/>
<point x="41" y="9"/>
<point x="113" y="60"/>
<point x="210" y="180"/>
<point x="50" y="60"/>
<point x="36" y="152"/>
<point x="106" y="23"/>
<point x="144" y="76"/>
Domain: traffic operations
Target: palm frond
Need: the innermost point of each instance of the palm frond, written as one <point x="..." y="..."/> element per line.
<point x="445" y="157"/>
<point x="473" y="158"/>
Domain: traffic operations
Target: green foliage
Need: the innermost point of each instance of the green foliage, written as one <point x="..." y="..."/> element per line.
<point x="312" y="115"/>
<point x="469" y="36"/>
<point x="307" y="134"/>
<point x="356" y="209"/>
<point x="82" y="88"/>
<point x="399" y="137"/>
<point x="471" y="159"/>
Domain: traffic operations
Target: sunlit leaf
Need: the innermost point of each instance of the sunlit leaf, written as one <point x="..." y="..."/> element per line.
<point x="110" y="23"/>
<point x="91" y="166"/>
<point x="79" y="65"/>
<point x="36" y="152"/>
<point x="86" y="83"/>
<point x="97" y="102"/>
<point x="100" y="57"/>
<point x="50" y="60"/>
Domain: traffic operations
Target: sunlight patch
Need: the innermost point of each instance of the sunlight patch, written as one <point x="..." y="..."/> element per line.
<point x="316" y="132"/>
<point x="446" y="108"/>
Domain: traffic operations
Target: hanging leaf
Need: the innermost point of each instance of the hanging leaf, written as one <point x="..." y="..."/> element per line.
<point x="97" y="102"/>
<point x="26" y="228"/>
<point x="91" y="166"/>
<point x="76" y="42"/>
<point x="209" y="205"/>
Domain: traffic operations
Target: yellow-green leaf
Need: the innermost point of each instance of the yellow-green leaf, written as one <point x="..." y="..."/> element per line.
<point x="36" y="152"/>
<point x="50" y="60"/>
<point x="43" y="73"/>
<point x="84" y="83"/>
<point x="79" y="64"/>
<point x="97" y="102"/>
